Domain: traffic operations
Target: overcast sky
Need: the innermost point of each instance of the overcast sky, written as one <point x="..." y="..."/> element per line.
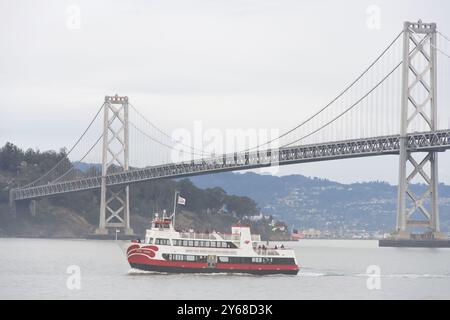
<point x="230" y="64"/>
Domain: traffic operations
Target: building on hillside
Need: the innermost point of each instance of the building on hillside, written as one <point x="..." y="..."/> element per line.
<point x="255" y="218"/>
<point x="312" y="233"/>
<point x="279" y="226"/>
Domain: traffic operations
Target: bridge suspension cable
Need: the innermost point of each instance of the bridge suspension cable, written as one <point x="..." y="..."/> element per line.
<point x="80" y="160"/>
<point x="160" y="142"/>
<point x="359" y="100"/>
<point x="348" y="109"/>
<point x="66" y="156"/>
<point x="344" y="91"/>
<point x="363" y="92"/>
<point x="199" y="152"/>
<point x="436" y="47"/>
<point x="444" y="36"/>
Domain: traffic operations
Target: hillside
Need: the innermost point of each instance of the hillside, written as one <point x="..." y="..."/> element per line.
<point x="317" y="203"/>
<point x="77" y="214"/>
<point x="214" y="201"/>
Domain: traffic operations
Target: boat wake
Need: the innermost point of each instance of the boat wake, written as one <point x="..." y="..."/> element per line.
<point x="306" y="273"/>
<point x="311" y="274"/>
<point x="328" y="273"/>
<point x="411" y="276"/>
<point x="133" y="272"/>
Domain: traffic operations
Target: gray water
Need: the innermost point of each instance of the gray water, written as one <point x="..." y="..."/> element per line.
<point x="330" y="269"/>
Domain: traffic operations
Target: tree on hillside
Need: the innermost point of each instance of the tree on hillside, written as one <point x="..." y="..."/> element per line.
<point x="10" y="157"/>
<point x="215" y="198"/>
<point x="146" y="198"/>
<point x="242" y="206"/>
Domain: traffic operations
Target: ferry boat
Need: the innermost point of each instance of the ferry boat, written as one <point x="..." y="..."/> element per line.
<point x="167" y="250"/>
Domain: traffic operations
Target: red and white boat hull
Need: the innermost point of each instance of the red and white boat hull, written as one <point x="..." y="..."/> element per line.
<point x="150" y="258"/>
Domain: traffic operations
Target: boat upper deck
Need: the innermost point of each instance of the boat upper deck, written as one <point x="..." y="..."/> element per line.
<point x="215" y="236"/>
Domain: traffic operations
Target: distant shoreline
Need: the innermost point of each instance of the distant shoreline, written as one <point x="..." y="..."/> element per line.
<point x="86" y="238"/>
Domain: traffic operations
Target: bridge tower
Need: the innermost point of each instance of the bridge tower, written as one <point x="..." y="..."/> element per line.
<point x="418" y="109"/>
<point x="114" y="201"/>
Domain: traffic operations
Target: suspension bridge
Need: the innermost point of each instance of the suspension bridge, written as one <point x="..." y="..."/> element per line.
<point x="391" y="108"/>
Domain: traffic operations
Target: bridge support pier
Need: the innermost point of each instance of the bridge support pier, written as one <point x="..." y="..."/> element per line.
<point x="114" y="201"/>
<point x="24" y="208"/>
<point x="418" y="111"/>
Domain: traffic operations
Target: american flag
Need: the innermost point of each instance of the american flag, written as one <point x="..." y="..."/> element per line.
<point x="181" y="200"/>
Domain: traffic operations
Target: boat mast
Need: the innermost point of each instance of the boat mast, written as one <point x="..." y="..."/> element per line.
<point x="175" y="200"/>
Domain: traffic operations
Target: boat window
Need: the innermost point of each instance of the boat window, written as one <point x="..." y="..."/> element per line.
<point x="224" y="244"/>
<point x="162" y="241"/>
<point x="190" y="258"/>
<point x="256" y="260"/>
<point x="224" y="259"/>
<point x="185" y="243"/>
<point x="150" y="241"/>
<point x="196" y="243"/>
<point x="206" y="243"/>
<point x="213" y="244"/>
<point x="191" y="243"/>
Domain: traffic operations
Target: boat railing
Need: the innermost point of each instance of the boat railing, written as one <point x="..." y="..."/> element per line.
<point x="266" y="252"/>
<point x="230" y="237"/>
<point x="237" y="237"/>
<point x="213" y="236"/>
<point x="197" y="236"/>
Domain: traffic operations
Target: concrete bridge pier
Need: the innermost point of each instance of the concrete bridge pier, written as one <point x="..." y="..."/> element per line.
<point x="24" y="208"/>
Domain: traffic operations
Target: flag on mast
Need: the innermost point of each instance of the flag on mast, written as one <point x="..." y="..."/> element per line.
<point x="181" y="200"/>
